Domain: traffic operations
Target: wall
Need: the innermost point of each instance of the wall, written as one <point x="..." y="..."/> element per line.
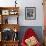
<point x="39" y="13"/>
<point x="27" y="3"/>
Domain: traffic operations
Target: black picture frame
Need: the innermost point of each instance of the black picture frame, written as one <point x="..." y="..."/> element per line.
<point x="30" y="13"/>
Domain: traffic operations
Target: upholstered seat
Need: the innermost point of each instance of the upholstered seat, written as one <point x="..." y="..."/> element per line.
<point x="29" y="36"/>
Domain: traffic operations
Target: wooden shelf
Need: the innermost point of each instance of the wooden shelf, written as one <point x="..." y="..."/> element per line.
<point x="4" y="13"/>
<point x="9" y="8"/>
<point x="9" y="43"/>
<point x="11" y="26"/>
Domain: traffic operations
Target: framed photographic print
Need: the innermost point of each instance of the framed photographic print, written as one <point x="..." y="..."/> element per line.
<point x="30" y="13"/>
<point x="5" y="12"/>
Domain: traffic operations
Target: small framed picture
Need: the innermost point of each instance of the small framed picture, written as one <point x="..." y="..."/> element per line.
<point x="30" y="13"/>
<point x="5" y="12"/>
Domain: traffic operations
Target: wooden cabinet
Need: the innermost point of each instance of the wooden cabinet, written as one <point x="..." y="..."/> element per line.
<point x="10" y="43"/>
<point x="9" y="25"/>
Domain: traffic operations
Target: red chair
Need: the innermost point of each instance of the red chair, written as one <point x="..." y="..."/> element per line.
<point x="29" y="33"/>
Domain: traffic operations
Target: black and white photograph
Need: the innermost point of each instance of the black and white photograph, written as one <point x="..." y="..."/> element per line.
<point x="30" y="13"/>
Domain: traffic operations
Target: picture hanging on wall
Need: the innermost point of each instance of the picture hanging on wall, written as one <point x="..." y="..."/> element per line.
<point x="30" y="13"/>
